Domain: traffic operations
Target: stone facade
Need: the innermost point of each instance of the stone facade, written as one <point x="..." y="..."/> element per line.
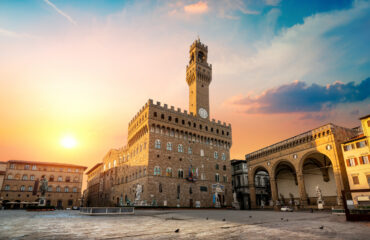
<point x="64" y="181"/>
<point x="172" y="158"/>
<point x="296" y="166"/>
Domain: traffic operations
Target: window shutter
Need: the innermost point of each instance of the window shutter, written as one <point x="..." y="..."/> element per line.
<point x="355" y="161"/>
<point x="361" y="160"/>
<point x="348" y="163"/>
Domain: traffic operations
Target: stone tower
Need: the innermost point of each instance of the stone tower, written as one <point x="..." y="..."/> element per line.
<point x="198" y="77"/>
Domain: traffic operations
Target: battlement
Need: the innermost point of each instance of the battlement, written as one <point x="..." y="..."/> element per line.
<point x="198" y="44"/>
<point x="190" y="115"/>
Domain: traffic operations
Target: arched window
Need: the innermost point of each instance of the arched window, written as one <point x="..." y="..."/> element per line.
<point x="23" y="188"/>
<point x="180" y="148"/>
<point x="217" y="177"/>
<point x="169" y="146"/>
<point x="30" y="188"/>
<point x="74" y="189"/>
<point x="169" y="172"/>
<point x="10" y="176"/>
<point x="68" y="179"/>
<point x="32" y="177"/>
<point x="58" y="189"/>
<point x="66" y="189"/>
<point x="225" y="178"/>
<point x="157" y="171"/>
<point x="157" y="144"/>
<point x="217" y="167"/>
<point x="224" y="167"/>
<point x="51" y="178"/>
<point x="215" y="155"/>
<point x="60" y="179"/>
<point x="7" y="187"/>
<point x="223" y="156"/>
<point x="75" y="179"/>
<point x="25" y="177"/>
<point x="180" y="173"/>
<point x="201" y="152"/>
<point x="50" y="188"/>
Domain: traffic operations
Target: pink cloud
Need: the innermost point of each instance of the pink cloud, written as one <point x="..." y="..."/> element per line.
<point x="196" y="8"/>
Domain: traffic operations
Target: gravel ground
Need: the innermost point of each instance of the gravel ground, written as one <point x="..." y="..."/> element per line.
<point x="192" y="224"/>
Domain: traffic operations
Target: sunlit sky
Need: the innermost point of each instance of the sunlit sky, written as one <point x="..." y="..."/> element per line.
<point x="84" y="68"/>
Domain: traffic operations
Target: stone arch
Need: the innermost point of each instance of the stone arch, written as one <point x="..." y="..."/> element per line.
<point x="318" y="169"/>
<point x="285" y="176"/>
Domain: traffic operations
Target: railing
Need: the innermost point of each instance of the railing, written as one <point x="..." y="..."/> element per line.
<point x="107" y="210"/>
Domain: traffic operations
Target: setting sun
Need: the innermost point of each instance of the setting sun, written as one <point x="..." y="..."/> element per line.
<point x="68" y="142"/>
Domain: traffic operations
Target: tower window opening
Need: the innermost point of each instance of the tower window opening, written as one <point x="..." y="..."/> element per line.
<point x="169" y="118"/>
<point x="162" y="116"/>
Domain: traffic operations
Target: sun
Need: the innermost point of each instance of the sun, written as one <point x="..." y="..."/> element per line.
<point x="68" y="142"/>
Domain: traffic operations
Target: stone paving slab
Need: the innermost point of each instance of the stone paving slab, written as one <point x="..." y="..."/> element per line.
<point x="192" y="224"/>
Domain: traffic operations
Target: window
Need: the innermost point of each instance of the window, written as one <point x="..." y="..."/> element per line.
<point x="364" y="160"/>
<point x="157" y="171"/>
<point x="74" y="189"/>
<point x="32" y="177"/>
<point x="223" y="156"/>
<point x="157" y="144"/>
<point x="34" y="167"/>
<point x="68" y="179"/>
<point x="355" y="180"/>
<point x="66" y="189"/>
<point x="180" y="173"/>
<point x="178" y="191"/>
<point x="26" y="166"/>
<point x="51" y="179"/>
<point x="10" y="176"/>
<point x="24" y="177"/>
<point x="58" y="189"/>
<point x="215" y="155"/>
<point x="169" y="146"/>
<point x="75" y="179"/>
<point x="7" y="187"/>
<point x="368" y="179"/>
<point x="180" y="148"/>
<point x="224" y="167"/>
<point x="169" y="172"/>
<point x="50" y="188"/>
<point x="60" y="179"/>
<point x="30" y="188"/>
<point x="349" y="147"/>
<point x="217" y="177"/>
<point x="70" y="202"/>
<point x="216" y="166"/>
<point x="201" y="152"/>
<point x="361" y="144"/>
<point x="162" y="116"/>
<point x="155" y="114"/>
<point x="12" y="166"/>
<point x="225" y="178"/>
<point x="351" y="162"/>
<point x="23" y="188"/>
<point x="190" y="151"/>
<point x="202" y="176"/>
<point x="160" y="187"/>
<point x="203" y="189"/>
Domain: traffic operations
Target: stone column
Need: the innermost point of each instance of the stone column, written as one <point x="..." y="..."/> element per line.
<point x="274" y="191"/>
<point x="252" y="194"/>
<point x="302" y="189"/>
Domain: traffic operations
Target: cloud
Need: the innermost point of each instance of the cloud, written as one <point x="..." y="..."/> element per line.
<point x="298" y="97"/>
<point x="69" y="18"/>
<point x="7" y="33"/>
<point x="272" y="2"/>
<point x="196" y="8"/>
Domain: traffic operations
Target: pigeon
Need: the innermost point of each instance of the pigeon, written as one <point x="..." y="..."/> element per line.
<point x="250" y="216"/>
<point x="282" y="219"/>
<point x="224" y="219"/>
<point x="287" y="220"/>
<point x="207" y="218"/>
<point x="322" y="227"/>
<point x="177" y="230"/>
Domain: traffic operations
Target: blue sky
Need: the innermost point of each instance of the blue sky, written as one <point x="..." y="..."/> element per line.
<point x="75" y="60"/>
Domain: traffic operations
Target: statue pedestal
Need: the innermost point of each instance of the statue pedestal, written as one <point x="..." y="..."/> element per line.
<point x="217" y="205"/>
<point x="42" y="202"/>
<point x="236" y="205"/>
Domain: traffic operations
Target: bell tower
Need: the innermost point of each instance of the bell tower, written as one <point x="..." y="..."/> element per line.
<point x="198" y="77"/>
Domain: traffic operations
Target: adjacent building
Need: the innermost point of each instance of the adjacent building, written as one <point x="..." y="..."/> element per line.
<point x="356" y="153"/>
<point x="302" y="169"/>
<point x="172" y="157"/>
<point x="20" y="186"/>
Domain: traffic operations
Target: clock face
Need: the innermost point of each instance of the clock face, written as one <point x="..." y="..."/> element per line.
<point x="203" y="113"/>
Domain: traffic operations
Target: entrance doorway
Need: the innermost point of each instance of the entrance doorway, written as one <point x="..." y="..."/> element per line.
<point x="191" y="203"/>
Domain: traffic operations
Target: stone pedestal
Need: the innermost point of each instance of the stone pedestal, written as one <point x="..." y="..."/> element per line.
<point x="236" y="205"/>
<point x="42" y="202"/>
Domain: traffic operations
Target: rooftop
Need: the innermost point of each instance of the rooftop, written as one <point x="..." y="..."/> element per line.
<point x="48" y="163"/>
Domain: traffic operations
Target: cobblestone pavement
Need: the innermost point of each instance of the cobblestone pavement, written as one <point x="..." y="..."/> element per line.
<point x="192" y="224"/>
